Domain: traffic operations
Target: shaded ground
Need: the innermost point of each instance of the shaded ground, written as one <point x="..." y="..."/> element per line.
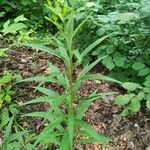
<point x="131" y="133"/>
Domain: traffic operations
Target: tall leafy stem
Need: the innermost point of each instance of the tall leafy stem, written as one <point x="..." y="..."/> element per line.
<point x="63" y="137"/>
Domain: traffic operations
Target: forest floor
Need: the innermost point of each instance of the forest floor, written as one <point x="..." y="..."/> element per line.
<point x="130" y="133"/>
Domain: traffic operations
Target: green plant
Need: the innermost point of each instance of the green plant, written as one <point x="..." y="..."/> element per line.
<point x="16" y="141"/>
<point x="5" y="88"/>
<point x="64" y="120"/>
<point x="28" y="7"/>
<point x="14" y="31"/>
<point x="129" y="19"/>
<point x="8" y="108"/>
<point x="136" y="94"/>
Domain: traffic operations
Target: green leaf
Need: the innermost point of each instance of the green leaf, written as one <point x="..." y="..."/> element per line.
<point x="7" y="98"/>
<point x="47" y="115"/>
<point x="46" y="91"/>
<point x="86" y="101"/>
<point x="37" y="100"/>
<point x="65" y="145"/>
<point x="71" y="126"/>
<point x="3" y="52"/>
<point x="43" y="48"/>
<point x="130" y="86"/>
<point x="108" y="62"/>
<point x="84" y="72"/>
<point x="93" y="45"/>
<point x="148" y="103"/>
<point x="119" y="61"/>
<point x="146" y="90"/>
<point x="147" y="83"/>
<point x="20" y="18"/>
<point x="99" y="76"/>
<point x="100" y="138"/>
<point x="7" y="132"/>
<point x="135" y="105"/>
<point x="80" y="26"/>
<point x="88" y="68"/>
<point x="138" y="66"/>
<point x="125" y="112"/>
<point x="110" y="49"/>
<point x="141" y="96"/>
<point x="6" y="24"/>
<point x="59" y="27"/>
<point x="6" y="78"/>
<point x="144" y="72"/>
<point x="78" y="56"/>
<point x="124" y="99"/>
<point x="101" y="32"/>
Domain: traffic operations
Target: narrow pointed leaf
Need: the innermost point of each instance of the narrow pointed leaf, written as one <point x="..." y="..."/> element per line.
<point x="93" y="45"/>
<point x="42" y="48"/>
<point x="92" y="133"/>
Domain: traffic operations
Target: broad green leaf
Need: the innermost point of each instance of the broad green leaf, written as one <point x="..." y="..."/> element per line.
<point x="141" y="96"/>
<point x="135" y="105"/>
<point x="20" y="18"/>
<point x="130" y="86"/>
<point x="93" y="45"/>
<point x="101" y="32"/>
<point x="6" y="78"/>
<point x="110" y="49"/>
<point x="138" y="66"/>
<point x="146" y="90"/>
<point x="147" y="83"/>
<point x="124" y="99"/>
<point x="7" y="98"/>
<point x="92" y="134"/>
<point x="119" y="61"/>
<point x="6" y="24"/>
<point x="108" y="62"/>
<point x="144" y="72"/>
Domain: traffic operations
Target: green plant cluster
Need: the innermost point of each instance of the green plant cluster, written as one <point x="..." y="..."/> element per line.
<point x="128" y="51"/>
<point x="30" y="8"/>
